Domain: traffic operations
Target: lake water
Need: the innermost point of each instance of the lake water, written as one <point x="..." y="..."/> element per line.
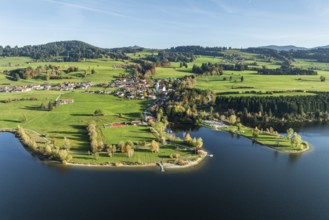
<point x="242" y="181"/>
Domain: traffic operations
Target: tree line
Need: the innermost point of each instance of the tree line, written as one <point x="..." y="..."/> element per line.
<point x="168" y="56"/>
<point x="217" y="68"/>
<point x="254" y="109"/>
<point x="51" y="71"/>
<point x="49" y="150"/>
<point x="67" y="51"/>
<point x="198" y="50"/>
<point x="318" y="54"/>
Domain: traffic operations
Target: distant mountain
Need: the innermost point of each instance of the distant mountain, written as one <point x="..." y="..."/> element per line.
<point x="284" y="48"/>
<point x="322" y="47"/>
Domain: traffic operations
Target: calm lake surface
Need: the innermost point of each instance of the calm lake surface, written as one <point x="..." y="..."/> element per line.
<point x="242" y="181"/>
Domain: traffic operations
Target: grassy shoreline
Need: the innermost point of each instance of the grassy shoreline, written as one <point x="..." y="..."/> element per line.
<point x="274" y="141"/>
<point x="189" y="161"/>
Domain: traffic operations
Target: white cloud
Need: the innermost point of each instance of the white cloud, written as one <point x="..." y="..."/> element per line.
<point x="81" y="7"/>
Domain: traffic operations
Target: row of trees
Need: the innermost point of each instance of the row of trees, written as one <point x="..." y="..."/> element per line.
<point x="198" y="50"/>
<point x="286" y="71"/>
<point x="48" y="150"/>
<point x="217" y="68"/>
<point x="52" y="72"/>
<point x="194" y="142"/>
<point x="167" y="57"/>
<point x="96" y="142"/>
<point x="19" y="99"/>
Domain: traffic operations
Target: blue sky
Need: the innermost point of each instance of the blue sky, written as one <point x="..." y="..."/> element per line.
<point x="166" y="23"/>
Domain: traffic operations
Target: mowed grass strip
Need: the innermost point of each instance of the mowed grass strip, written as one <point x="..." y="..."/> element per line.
<point x="127" y="133"/>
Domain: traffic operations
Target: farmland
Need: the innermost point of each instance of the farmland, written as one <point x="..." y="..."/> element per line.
<point x="70" y="120"/>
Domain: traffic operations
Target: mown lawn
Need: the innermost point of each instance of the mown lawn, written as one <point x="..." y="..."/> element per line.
<point x="127" y="133"/>
<point x="144" y="155"/>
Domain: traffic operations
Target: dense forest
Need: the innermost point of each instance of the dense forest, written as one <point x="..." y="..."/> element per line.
<point x="217" y="68"/>
<point x="68" y="51"/>
<point x="198" y="50"/>
<point x="166" y="57"/>
<point x="286" y="71"/>
<point x="282" y="108"/>
<point x="318" y="54"/>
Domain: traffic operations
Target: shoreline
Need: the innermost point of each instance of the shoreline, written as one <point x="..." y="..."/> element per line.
<point x="273" y="147"/>
<point x="165" y="165"/>
<point x="111" y="165"/>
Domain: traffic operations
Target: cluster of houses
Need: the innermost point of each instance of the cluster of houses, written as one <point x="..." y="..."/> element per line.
<point x="131" y="88"/>
<point x="66" y="86"/>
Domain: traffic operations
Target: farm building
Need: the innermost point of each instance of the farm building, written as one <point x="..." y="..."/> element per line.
<point x="136" y="123"/>
<point x="66" y="101"/>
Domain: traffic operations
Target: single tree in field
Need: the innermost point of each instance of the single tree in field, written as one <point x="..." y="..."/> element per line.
<point x="130" y="151"/>
<point x="154" y="146"/>
<point x="322" y="78"/>
<point x="66" y="144"/>
<point x="242" y="78"/>
<point x="98" y="112"/>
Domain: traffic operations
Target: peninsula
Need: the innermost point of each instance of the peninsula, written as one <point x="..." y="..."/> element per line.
<point x="119" y="107"/>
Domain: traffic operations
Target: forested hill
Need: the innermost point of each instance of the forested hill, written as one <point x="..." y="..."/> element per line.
<point x="56" y="51"/>
<point x="320" y="54"/>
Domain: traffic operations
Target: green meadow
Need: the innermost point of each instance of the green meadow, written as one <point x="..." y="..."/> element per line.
<point x="70" y="120"/>
<point x="105" y="70"/>
<point x="67" y="120"/>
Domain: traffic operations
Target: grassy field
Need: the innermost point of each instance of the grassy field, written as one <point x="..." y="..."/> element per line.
<point x="67" y="120"/>
<point x="127" y="133"/>
<point x="105" y="71"/>
<point x="143" y="155"/>
<point x="171" y="72"/>
<point x="257" y="82"/>
<point x="70" y="120"/>
<point x="277" y="142"/>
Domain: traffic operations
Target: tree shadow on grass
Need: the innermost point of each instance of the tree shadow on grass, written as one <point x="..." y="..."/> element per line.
<point x="33" y="108"/>
<point x="10" y="78"/>
<point x="132" y="116"/>
<point x="82" y="115"/>
<point x="14" y="121"/>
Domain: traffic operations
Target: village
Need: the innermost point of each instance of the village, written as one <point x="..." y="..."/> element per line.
<point x="66" y="86"/>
